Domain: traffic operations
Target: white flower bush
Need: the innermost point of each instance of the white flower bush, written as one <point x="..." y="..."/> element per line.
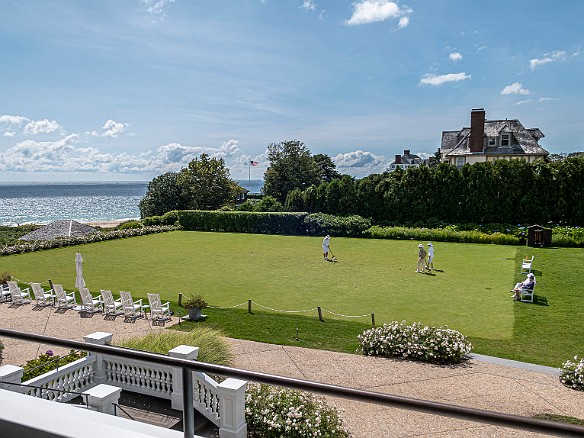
<point x="573" y="374"/>
<point x="415" y="342"/>
<point x="271" y="411"/>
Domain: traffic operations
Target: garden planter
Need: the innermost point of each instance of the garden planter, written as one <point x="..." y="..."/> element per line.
<point x="195" y="313"/>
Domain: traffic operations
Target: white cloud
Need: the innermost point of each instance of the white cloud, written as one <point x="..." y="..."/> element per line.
<point x="403" y="22"/>
<point x="9" y="133"/>
<point x="514" y="88"/>
<point x="13" y="120"/>
<point x="360" y="163"/>
<point x="113" y="129"/>
<point x="455" y="56"/>
<point x="157" y="8"/>
<point x="370" y="11"/>
<point x="523" y="102"/>
<point x="309" y="5"/>
<point x="41" y="126"/>
<point x="432" y="79"/>
<point x="558" y="55"/>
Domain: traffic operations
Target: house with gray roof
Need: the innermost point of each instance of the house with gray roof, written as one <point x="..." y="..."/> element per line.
<point x="491" y="140"/>
<point x="406" y="160"/>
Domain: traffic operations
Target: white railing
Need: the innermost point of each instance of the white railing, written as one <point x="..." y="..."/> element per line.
<point x="59" y="384"/>
<point x="137" y="376"/>
<point x="221" y="403"/>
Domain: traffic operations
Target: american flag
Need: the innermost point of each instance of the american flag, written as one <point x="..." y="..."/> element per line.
<point x="254" y="163"/>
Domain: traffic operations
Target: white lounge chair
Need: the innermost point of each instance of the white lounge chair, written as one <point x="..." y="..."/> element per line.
<point x="4" y="293"/>
<point x="111" y="307"/>
<point x="132" y="309"/>
<point x="43" y="298"/>
<point x="159" y="312"/>
<point x="19" y="296"/>
<point x="526" y="265"/>
<point x="65" y="300"/>
<point x="89" y="303"/>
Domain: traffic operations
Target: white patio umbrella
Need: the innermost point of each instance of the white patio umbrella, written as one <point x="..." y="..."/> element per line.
<point x="79" y="281"/>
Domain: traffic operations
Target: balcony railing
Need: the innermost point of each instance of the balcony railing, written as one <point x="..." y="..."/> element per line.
<point x="234" y="419"/>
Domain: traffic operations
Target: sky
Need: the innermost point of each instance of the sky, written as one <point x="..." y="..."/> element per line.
<point x="125" y="90"/>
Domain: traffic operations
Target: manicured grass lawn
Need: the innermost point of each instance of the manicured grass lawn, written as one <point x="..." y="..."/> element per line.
<point x="470" y="293"/>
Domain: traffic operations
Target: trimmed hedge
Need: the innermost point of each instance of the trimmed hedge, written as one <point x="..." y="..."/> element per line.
<point x="242" y="221"/>
<point x="441" y="235"/>
<point x="351" y="226"/>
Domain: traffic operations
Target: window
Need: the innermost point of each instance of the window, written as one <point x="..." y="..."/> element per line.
<point x="460" y="161"/>
<point x="492" y="141"/>
<point x="505" y="139"/>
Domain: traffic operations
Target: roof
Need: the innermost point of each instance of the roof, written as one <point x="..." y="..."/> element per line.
<point x="524" y="141"/>
<point x="58" y="229"/>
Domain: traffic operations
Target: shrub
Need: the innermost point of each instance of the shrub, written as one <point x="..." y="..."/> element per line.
<point x="4" y="277"/>
<point x="152" y="221"/>
<point x="415" y="342"/>
<point x="130" y="225"/>
<point x="47" y="362"/>
<point x="213" y="348"/>
<point x="194" y="302"/>
<point x="572" y="374"/>
<point x="272" y="411"/>
<point x="441" y="235"/>
<point x="169" y="218"/>
<point x="319" y="223"/>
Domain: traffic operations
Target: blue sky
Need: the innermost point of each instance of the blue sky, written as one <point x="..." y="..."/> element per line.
<point x="129" y="89"/>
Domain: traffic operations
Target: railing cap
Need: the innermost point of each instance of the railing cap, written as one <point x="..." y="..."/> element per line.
<point x="99" y="338"/>
<point x="184" y="352"/>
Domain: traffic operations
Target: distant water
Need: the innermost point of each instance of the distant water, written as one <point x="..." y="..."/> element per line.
<point x="85" y="202"/>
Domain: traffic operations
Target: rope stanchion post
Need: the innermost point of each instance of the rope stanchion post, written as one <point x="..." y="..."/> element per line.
<point x="320" y="313"/>
<point x="249" y="306"/>
<point x="373" y="319"/>
<point x="180" y="295"/>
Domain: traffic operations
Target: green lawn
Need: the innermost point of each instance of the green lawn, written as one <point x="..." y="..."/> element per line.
<point x="470" y="293"/>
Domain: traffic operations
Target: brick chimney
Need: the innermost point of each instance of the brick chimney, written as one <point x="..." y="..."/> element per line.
<point x="406" y="152"/>
<point x="397" y="159"/>
<point x="477" y="130"/>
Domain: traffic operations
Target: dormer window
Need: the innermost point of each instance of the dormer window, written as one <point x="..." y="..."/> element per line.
<point x="505" y="139"/>
<point x="492" y="141"/>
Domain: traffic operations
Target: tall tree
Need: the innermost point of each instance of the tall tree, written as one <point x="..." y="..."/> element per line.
<point x="206" y="185"/>
<point x="163" y="195"/>
<point x="291" y="167"/>
<point x="328" y="169"/>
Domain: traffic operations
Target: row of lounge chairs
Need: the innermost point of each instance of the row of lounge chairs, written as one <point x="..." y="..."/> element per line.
<point x="103" y="303"/>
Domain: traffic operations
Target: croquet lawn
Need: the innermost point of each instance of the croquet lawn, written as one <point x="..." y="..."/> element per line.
<point x="468" y="292"/>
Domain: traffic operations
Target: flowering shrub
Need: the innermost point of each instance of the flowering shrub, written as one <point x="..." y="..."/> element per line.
<point x="271" y="411"/>
<point x="48" y="361"/>
<point x="38" y="245"/>
<point x="415" y="342"/>
<point x="573" y="374"/>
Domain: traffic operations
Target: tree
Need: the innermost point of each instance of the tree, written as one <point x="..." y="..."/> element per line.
<point x="205" y="184"/>
<point x="291" y="167"/>
<point x="435" y="159"/>
<point x="328" y="169"/>
<point x="163" y="195"/>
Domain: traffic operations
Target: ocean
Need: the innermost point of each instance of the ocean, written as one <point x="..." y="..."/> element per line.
<point x="85" y="202"/>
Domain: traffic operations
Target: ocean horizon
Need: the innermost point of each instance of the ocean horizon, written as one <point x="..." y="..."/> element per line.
<point x="44" y="202"/>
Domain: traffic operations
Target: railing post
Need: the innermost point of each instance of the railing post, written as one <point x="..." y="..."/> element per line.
<point x="180" y="352"/>
<point x="103" y="398"/>
<point x="99" y="371"/>
<point x="188" y="410"/>
<point x="232" y="408"/>
<point x="11" y="374"/>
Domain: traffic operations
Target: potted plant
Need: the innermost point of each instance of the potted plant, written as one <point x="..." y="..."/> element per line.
<point x="195" y="304"/>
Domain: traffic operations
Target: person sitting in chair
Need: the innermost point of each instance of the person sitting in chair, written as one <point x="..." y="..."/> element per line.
<point x="527" y="284"/>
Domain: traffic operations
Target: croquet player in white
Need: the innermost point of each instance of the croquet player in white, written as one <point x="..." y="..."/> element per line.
<point x="325" y="246"/>
<point x="430" y="265"/>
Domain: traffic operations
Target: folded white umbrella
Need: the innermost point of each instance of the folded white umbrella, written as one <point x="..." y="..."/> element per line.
<point x="79" y="281"/>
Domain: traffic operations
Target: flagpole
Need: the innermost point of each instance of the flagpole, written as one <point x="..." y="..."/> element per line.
<point x="249" y="172"/>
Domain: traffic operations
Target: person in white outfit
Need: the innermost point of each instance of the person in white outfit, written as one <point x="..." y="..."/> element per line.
<point x="430" y="264"/>
<point x="326" y="243"/>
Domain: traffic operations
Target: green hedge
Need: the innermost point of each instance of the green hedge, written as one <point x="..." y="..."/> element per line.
<point x="242" y="221"/>
<point x="440" y="235"/>
<point x="351" y="226"/>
